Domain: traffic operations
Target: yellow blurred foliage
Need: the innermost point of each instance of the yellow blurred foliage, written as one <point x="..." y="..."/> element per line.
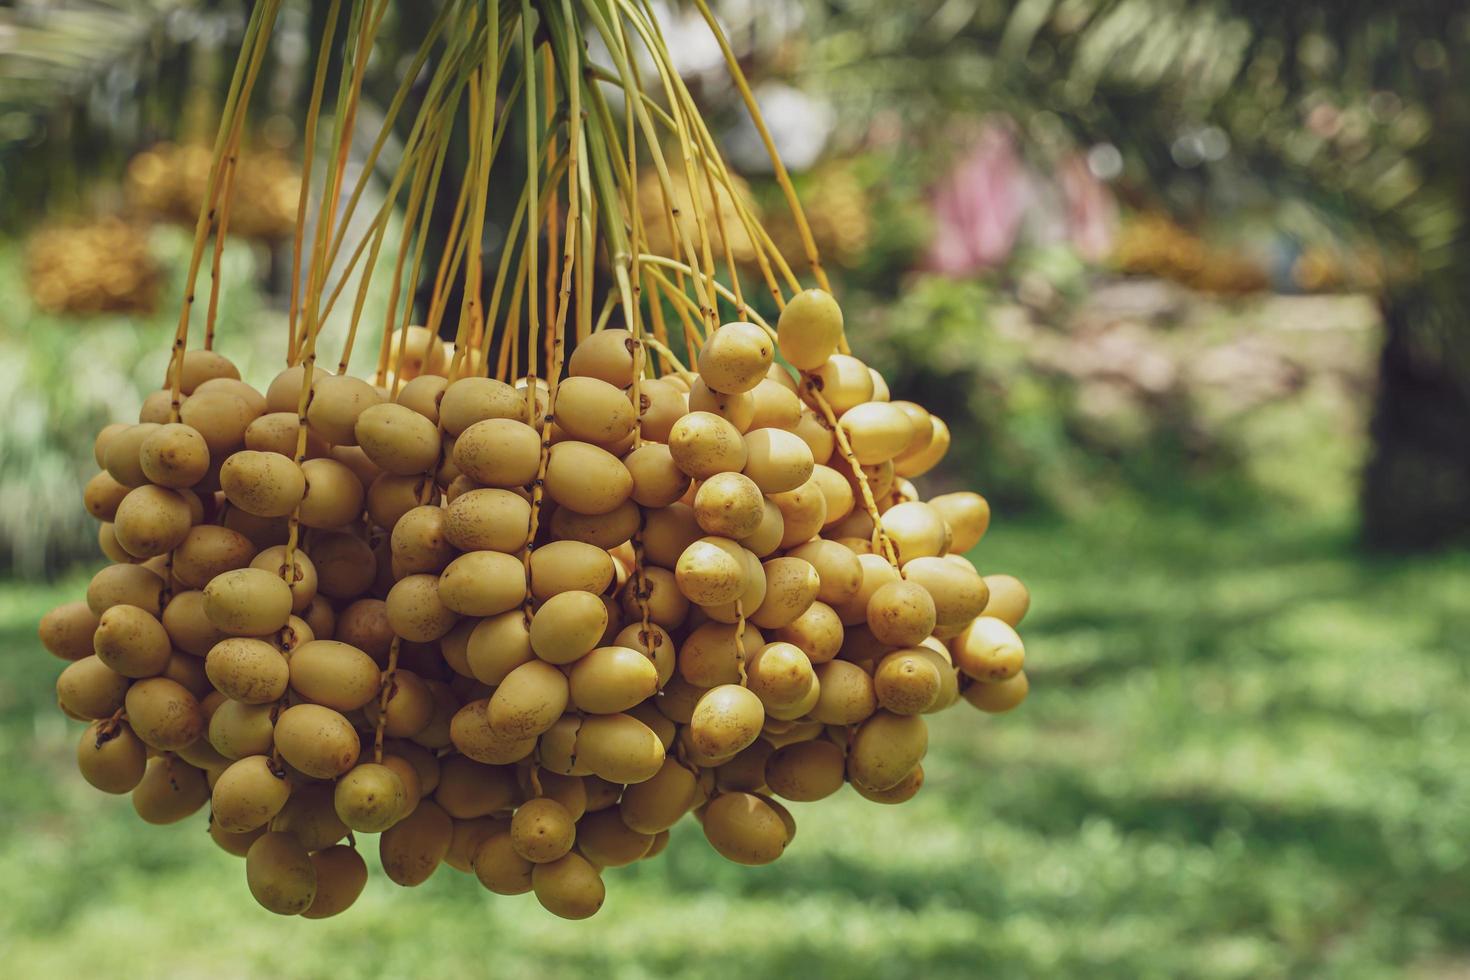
<point x="651" y="205"/>
<point x="102" y="267"/>
<point x="1156" y="245"/>
<point x="835" y="203"/>
<point x="169" y="180"/>
<point x="836" y="207"/>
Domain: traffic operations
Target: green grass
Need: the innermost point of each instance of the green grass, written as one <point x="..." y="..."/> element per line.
<point x="1244" y="756"/>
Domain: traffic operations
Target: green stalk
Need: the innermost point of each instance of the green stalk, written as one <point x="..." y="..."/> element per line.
<point x="308" y="154"/>
<point x="257" y="35"/>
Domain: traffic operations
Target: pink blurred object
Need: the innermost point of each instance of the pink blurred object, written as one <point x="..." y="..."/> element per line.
<point x="979" y="206"/>
<point x="1092" y="211"/>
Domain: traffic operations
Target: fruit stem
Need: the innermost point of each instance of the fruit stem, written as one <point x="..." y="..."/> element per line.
<point x="724" y="291"/>
<point x="737" y="74"/>
<point x="221" y="231"/>
<point x="844" y="446"/>
<point x="385" y="692"/>
<point x="256" y="41"/>
<point x="308" y="153"/>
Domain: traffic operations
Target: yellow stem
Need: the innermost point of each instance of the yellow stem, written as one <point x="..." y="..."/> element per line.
<point x="242" y="85"/>
<point x="221" y="232"/>
<point x="308" y="153"/>
<point x="737" y="74"/>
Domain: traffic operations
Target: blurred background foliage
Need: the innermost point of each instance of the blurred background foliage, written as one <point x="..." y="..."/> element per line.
<point x="1340" y="126"/>
<point x="1187" y="281"/>
<point x="1025" y="152"/>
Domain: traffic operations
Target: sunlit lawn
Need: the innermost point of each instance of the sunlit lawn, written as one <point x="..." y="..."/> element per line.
<point x="1245" y="755"/>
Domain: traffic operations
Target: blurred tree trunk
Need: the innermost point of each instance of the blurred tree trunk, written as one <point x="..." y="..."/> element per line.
<point x="1416" y="489"/>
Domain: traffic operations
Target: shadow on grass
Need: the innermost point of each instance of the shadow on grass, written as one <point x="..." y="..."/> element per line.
<point x="1351" y="848"/>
